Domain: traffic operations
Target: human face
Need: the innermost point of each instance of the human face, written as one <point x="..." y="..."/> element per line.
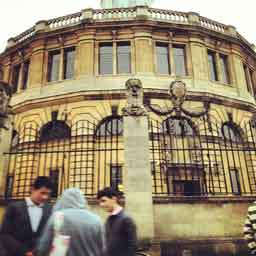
<point x="108" y="204"/>
<point x="41" y="195"/>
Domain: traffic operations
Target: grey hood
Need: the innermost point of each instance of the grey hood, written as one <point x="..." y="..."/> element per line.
<point x="72" y="198"/>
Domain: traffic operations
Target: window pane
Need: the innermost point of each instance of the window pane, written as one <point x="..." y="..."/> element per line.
<point x="162" y="52"/>
<point x="247" y="79"/>
<point x="106" y="58"/>
<point x="234" y="175"/>
<point x="53" y="66"/>
<point x="116" y="177"/>
<point x="69" y="63"/>
<point x="252" y="79"/>
<point x="15" y="78"/>
<point x="212" y="66"/>
<point x="224" y="69"/>
<point x="179" y="58"/>
<point x="123" y="57"/>
<point x="54" y="177"/>
<point x="25" y="75"/>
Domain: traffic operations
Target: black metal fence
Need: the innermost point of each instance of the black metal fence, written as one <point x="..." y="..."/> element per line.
<point x="83" y="155"/>
<point x="202" y="157"/>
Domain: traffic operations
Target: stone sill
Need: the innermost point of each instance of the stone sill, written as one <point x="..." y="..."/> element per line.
<point x="204" y="200"/>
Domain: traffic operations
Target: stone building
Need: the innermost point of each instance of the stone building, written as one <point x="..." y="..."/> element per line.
<point x="156" y="103"/>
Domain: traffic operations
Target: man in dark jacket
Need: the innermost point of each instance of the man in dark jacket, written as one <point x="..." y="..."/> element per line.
<point x="24" y="220"/>
<point x="121" y="237"/>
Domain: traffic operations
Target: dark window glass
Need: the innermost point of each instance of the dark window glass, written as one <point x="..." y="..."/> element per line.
<point x="54" y="177"/>
<point x="231" y="132"/>
<point x="69" y="63"/>
<point x="179" y="58"/>
<point x="186" y="187"/>
<point x="247" y="79"/>
<point x="212" y="65"/>
<point x="123" y="57"/>
<point x="53" y="66"/>
<point x="116" y="177"/>
<point x="110" y="126"/>
<point x="25" y="75"/>
<point x="224" y="69"/>
<point x="9" y="185"/>
<point x="55" y="130"/>
<point x="178" y="127"/>
<point x="106" y="58"/>
<point x="15" y="78"/>
<point x="163" y="63"/>
<point x="252" y="80"/>
<point x="235" y="182"/>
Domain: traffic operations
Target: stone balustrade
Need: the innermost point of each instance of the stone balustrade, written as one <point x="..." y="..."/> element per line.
<point x="139" y="12"/>
<point x="168" y="16"/>
<point x="212" y="25"/>
<point x="65" y="21"/>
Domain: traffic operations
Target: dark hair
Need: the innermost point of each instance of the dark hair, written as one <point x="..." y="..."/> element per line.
<point x="108" y="192"/>
<point x="42" y="182"/>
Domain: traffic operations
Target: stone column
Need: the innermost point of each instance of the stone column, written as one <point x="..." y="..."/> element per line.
<point x="5" y="133"/>
<point x="137" y="173"/>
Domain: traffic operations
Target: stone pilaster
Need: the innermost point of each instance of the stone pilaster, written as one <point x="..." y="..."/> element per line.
<point x="137" y="174"/>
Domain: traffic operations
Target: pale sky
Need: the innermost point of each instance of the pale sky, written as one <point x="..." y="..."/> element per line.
<point x="19" y="15"/>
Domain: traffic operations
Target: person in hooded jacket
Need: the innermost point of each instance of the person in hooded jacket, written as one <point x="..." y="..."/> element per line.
<point x="84" y="227"/>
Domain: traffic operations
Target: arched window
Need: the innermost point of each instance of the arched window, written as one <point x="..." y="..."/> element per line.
<point x="112" y="125"/>
<point x="178" y="126"/>
<point x="55" y="130"/>
<point x="232" y="132"/>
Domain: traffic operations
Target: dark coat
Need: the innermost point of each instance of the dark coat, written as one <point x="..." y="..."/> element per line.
<point x="121" y="236"/>
<point x="16" y="232"/>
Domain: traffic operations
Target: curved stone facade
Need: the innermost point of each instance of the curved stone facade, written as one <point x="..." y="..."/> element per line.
<point x="75" y="121"/>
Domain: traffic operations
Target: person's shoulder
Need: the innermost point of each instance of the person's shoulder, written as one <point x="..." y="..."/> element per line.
<point x="17" y="204"/>
<point x="126" y="216"/>
<point x="252" y="207"/>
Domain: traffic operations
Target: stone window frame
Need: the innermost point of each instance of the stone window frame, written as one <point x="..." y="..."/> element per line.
<point x="114" y="43"/>
<point x="219" y="71"/>
<point x="61" y="75"/>
<point x="171" y="45"/>
<point x="20" y="86"/>
<point x="250" y="78"/>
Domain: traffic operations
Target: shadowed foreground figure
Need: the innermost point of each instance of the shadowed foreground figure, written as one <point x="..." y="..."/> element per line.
<point x="84" y="227"/>
<point x="121" y="235"/>
<point x="24" y="220"/>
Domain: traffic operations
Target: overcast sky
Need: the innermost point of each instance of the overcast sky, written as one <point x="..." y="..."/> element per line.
<point x="18" y="15"/>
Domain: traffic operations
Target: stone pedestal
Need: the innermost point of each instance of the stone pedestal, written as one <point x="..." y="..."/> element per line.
<point x="5" y="144"/>
<point x="137" y="174"/>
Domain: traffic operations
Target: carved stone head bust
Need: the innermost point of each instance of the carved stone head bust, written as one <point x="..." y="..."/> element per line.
<point x="134" y="88"/>
<point x="5" y="96"/>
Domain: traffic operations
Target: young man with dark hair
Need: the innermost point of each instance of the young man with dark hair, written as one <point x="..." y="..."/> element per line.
<point x="24" y="220"/>
<point x="121" y="237"/>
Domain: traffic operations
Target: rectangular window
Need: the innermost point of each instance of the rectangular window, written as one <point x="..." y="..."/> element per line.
<point x="116" y="181"/>
<point x="123" y="57"/>
<point x="212" y="65"/>
<point x="162" y="54"/>
<point x="25" y="73"/>
<point x="106" y="58"/>
<point x="9" y="186"/>
<point x="1" y="74"/>
<point x="251" y="72"/>
<point x="224" y="69"/>
<point x="15" y="78"/>
<point x="247" y="79"/>
<point x="179" y="59"/>
<point x="235" y="182"/>
<point x="186" y="187"/>
<point x="53" y="66"/>
<point x="69" y="63"/>
<point x="54" y="177"/>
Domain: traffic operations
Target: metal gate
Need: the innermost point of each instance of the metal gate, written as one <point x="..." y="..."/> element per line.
<point x="83" y="154"/>
<point x="202" y="157"/>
